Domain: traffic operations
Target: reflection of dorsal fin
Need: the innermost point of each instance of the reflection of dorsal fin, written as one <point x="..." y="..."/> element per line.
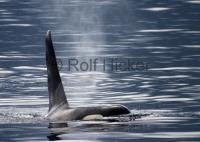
<point x="57" y="96"/>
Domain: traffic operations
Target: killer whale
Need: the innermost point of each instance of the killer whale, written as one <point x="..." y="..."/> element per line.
<point x="59" y="109"/>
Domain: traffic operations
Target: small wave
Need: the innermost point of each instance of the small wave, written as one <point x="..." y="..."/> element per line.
<point x="194" y="1"/>
<point x="8" y="117"/>
<point x="156" y="9"/>
<point x="17" y="25"/>
<point x="160" y="30"/>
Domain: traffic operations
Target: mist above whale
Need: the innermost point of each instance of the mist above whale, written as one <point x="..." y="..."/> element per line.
<point x="59" y="109"/>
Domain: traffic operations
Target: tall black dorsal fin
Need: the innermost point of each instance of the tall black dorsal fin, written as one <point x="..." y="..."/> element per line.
<point x="57" y="98"/>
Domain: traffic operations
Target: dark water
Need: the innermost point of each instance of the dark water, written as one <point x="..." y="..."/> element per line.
<point x="164" y="34"/>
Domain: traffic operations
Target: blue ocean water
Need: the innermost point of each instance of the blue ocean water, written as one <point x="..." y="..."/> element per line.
<point x="164" y="34"/>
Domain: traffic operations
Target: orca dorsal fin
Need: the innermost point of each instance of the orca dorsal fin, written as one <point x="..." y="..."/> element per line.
<point x="57" y="98"/>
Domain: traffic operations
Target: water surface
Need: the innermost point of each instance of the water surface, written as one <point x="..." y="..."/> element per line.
<point x="164" y="34"/>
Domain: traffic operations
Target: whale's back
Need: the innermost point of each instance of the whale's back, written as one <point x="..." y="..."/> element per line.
<point x="80" y="113"/>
